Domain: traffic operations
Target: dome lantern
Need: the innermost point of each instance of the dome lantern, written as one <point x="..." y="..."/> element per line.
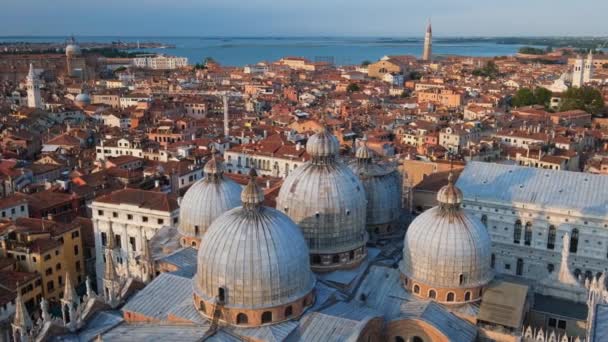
<point x="252" y="196"/>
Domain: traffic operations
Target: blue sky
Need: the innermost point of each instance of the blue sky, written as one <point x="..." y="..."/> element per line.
<point x="303" y="17"/>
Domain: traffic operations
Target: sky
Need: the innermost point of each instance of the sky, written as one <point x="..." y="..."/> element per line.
<point x="390" y="18"/>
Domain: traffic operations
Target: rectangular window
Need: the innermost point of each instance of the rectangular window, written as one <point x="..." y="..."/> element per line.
<point x="48" y="271"/>
<point x="161" y="221"/>
<point x="22" y="208"/>
<point x="114" y="214"/>
<point x="13" y="211"/>
<point x="175" y="219"/>
<point x="132" y="243"/>
<point x="552" y="322"/>
<point x="561" y="324"/>
<point x="47" y="257"/>
<point x="117" y="241"/>
<point x="76" y="251"/>
<point x="104" y="239"/>
<point x="100" y="212"/>
<point x="129" y="217"/>
<point x="50" y="286"/>
<point x="144" y="218"/>
<point x="75" y="234"/>
<point x="77" y="266"/>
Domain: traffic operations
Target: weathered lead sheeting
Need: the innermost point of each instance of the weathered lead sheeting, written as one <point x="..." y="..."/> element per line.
<point x="577" y="192"/>
<point x="160" y="296"/>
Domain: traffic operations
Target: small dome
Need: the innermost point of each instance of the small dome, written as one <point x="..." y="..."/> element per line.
<point x="253" y="258"/>
<point x="382" y="189"/>
<point x="72" y="50"/>
<point x="446" y="248"/>
<point x="322" y="145"/>
<point x="207" y="199"/>
<point x="83" y="99"/>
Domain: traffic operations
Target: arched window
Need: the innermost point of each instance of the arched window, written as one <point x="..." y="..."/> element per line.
<point x="577" y="273"/>
<point x="241" y="318"/>
<point x="484" y="220"/>
<point x="550" y="268"/>
<point x="528" y="234"/>
<point x="589" y="275"/>
<point x="450" y="297"/>
<point x="399" y="339"/>
<point x="432" y="294"/>
<point x="519" y="270"/>
<point x="551" y="237"/>
<point x="288" y="311"/>
<point x="266" y="317"/>
<point x="221" y="294"/>
<point x="461" y="279"/>
<point x="416" y="289"/>
<point x="517" y="232"/>
<point x="574" y="241"/>
<point x="417" y="339"/>
<point x="492" y="260"/>
<point x="467" y="296"/>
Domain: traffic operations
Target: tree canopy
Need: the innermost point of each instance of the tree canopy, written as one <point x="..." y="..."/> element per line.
<point x="365" y="63"/>
<point x="529" y="50"/>
<point x="584" y="98"/>
<point x="529" y="97"/>
<point x="489" y="70"/>
<point x="353" y="87"/>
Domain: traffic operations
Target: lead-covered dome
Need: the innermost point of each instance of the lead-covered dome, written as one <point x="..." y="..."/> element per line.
<point x="206" y="200"/>
<point x="327" y="201"/>
<point x="323" y="144"/>
<point x="82" y="99"/>
<point x="447" y="252"/>
<point x="253" y="265"/>
<point x="382" y="185"/>
<point x="72" y="50"/>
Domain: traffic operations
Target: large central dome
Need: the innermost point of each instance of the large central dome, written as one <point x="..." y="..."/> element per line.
<point x="253" y="265"/>
<point x="327" y="201"/>
<point x="447" y="252"/>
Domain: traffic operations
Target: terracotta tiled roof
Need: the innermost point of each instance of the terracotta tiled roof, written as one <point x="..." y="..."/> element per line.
<point x="144" y="199"/>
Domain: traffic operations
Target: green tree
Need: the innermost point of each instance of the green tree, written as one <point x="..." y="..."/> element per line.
<point x="365" y="63"/>
<point x="523" y="97"/>
<point x="353" y="87"/>
<point x="542" y="96"/>
<point x="528" y="50"/>
<point x="528" y="97"/>
<point x="415" y="75"/>
<point x="584" y="98"/>
<point x="489" y="70"/>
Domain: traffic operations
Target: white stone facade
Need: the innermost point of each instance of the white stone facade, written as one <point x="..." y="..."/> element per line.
<point x="130" y="224"/>
<point x="527" y="231"/>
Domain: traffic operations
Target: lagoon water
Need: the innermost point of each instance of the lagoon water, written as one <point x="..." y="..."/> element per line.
<point x="239" y="51"/>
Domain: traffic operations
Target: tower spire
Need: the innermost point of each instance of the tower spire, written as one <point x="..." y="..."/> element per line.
<point x="22" y="323"/>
